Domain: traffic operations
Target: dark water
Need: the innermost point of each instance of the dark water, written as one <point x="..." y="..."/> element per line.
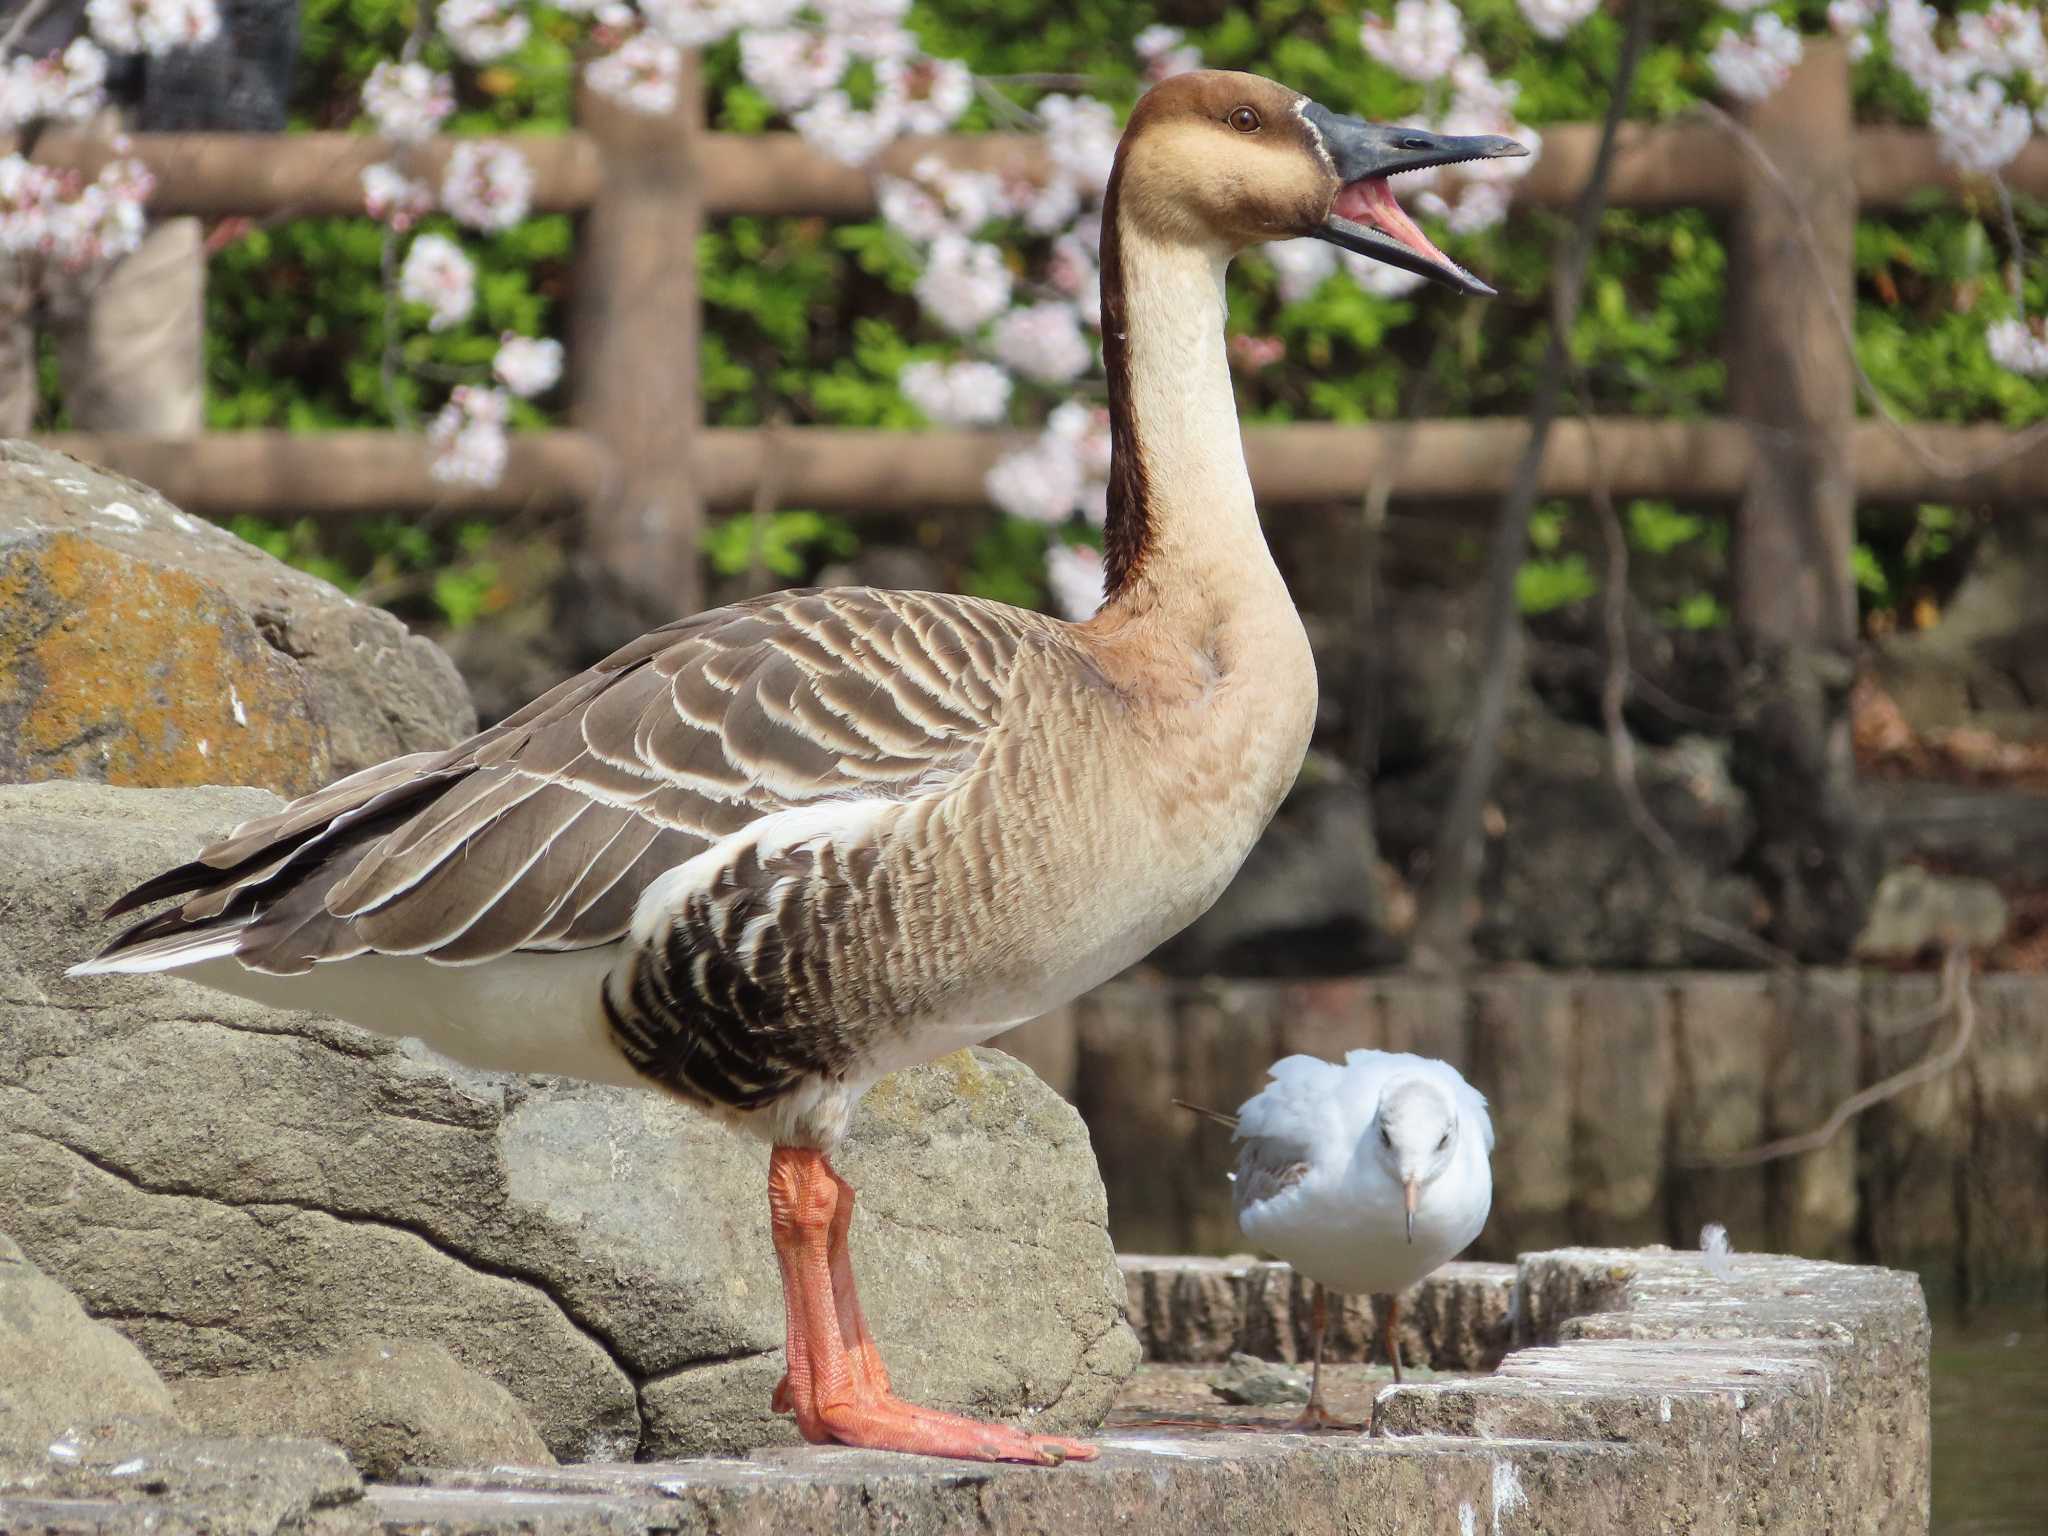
<point x="1991" y="1424"/>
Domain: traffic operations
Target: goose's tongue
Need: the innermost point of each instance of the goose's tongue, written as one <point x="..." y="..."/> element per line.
<point x="1371" y="202"/>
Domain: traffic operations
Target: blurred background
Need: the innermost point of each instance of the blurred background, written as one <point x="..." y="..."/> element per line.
<point x="1656" y="774"/>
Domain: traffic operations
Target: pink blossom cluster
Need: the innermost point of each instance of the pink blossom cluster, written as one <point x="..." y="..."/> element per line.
<point x="488" y="185"/>
<point x="799" y="57"/>
<point x="152" y="26"/>
<point x="62" y="87"/>
<point x="1074" y="573"/>
<point x="468" y="437"/>
<point x="71" y="224"/>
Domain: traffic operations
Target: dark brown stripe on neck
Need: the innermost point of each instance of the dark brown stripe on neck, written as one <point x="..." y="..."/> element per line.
<point x="1127" y="534"/>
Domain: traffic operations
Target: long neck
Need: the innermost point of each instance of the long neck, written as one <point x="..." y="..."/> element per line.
<point x="1182" y="527"/>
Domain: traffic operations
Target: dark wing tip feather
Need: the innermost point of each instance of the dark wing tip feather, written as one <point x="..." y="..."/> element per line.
<point x="182" y="881"/>
<point x="1228" y="1122"/>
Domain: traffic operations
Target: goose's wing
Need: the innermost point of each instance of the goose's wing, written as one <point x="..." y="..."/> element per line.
<point x="544" y="831"/>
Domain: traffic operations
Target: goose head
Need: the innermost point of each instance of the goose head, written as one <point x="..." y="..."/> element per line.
<point x="1414" y="1135"/>
<point x="1227" y="160"/>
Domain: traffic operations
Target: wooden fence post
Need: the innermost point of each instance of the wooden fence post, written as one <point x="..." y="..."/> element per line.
<point x="633" y="347"/>
<point x="1791" y="378"/>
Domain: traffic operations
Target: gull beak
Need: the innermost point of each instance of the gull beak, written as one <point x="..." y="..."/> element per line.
<point x="1410" y="1192"/>
<point x="1365" y="217"/>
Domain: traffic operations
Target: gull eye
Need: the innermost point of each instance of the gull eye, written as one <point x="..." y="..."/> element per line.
<point x="1445" y="1141"/>
<point x="1385" y="1139"/>
<point x="1244" y="120"/>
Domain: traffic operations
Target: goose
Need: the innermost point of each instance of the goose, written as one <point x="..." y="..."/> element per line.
<point x="763" y="856"/>
<point x="1364" y="1176"/>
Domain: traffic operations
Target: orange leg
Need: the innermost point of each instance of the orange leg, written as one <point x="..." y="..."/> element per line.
<point x="1390" y="1340"/>
<point x="835" y="1383"/>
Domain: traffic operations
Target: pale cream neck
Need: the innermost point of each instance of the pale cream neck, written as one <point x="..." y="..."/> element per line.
<point x="1203" y="544"/>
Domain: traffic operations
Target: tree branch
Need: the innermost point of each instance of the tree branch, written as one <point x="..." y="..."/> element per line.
<point x="1442" y="928"/>
<point x="1955" y="998"/>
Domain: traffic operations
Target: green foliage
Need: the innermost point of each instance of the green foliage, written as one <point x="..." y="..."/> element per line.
<point x="1544" y="585"/>
<point x="783" y="544"/>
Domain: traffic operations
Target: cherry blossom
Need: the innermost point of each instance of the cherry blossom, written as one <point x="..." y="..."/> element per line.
<point x="392" y="197"/>
<point x="1044" y="343"/>
<point x="1074" y="572"/>
<point x="1552" y="19"/>
<point x="1164" y="52"/>
<point x="792" y="67"/>
<point x="1085" y="429"/>
<point x="1071" y="269"/>
<point x="1750" y="65"/>
<point x="407" y="102"/>
<point x="152" y="26"/>
<point x="1041" y="484"/>
<point x="642" y="74"/>
<point x="1301" y="266"/>
<point x="1080" y="138"/>
<point x="2005" y="39"/>
<point x="964" y="284"/>
<point x="528" y="365"/>
<point x="1852" y="19"/>
<point x="1979" y="129"/>
<point x="911" y="210"/>
<point x="833" y="125"/>
<point x="437" y="274"/>
<point x="67" y="86"/>
<point x="871" y="29"/>
<point x="927" y="95"/>
<point x="468" y="437"/>
<point x="487" y="186"/>
<point x="967" y="394"/>
<point x="482" y="31"/>
<point x="1383" y="281"/>
<point x="1423" y="42"/>
<point x="694" y="23"/>
<point x="2021" y="347"/>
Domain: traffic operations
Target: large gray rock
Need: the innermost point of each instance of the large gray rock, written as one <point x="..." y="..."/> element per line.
<point x="142" y="646"/>
<point x="239" y="1189"/>
<point x="61" y="1372"/>
<point x="393" y="1405"/>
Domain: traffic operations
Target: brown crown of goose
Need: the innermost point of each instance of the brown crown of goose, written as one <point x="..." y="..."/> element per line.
<point x="1216" y="157"/>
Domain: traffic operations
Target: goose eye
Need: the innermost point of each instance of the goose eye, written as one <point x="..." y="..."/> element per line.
<point x="1245" y="120"/>
<point x="1444" y="1141"/>
<point x="1385" y="1139"/>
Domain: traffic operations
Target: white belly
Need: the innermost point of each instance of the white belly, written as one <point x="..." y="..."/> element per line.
<point x="524" y="1012"/>
<point x="1355" y="1239"/>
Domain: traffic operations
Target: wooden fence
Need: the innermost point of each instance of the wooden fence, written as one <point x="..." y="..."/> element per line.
<point x="1605" y="1090"/>
<point x="639" y="463"/>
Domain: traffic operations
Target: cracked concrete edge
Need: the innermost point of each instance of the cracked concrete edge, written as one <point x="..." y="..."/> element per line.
<point x="1778" y="1397"/>
<point x="1790" y="1393"/>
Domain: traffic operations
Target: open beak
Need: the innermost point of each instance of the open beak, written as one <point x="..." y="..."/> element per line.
<point x="1366" y="219"/>
<point x="1411" y="1190"/>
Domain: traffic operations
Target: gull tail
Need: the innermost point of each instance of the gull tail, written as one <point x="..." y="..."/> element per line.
<point x="1228" y="1122"/>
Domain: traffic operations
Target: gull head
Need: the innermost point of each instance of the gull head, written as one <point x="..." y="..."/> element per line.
<point x="1414" y="1135"/>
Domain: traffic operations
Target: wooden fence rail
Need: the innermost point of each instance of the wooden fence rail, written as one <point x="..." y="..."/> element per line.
<point x="307" y="174"/>
<point x="342" y="475"/>
<point x="640" y="466"/>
